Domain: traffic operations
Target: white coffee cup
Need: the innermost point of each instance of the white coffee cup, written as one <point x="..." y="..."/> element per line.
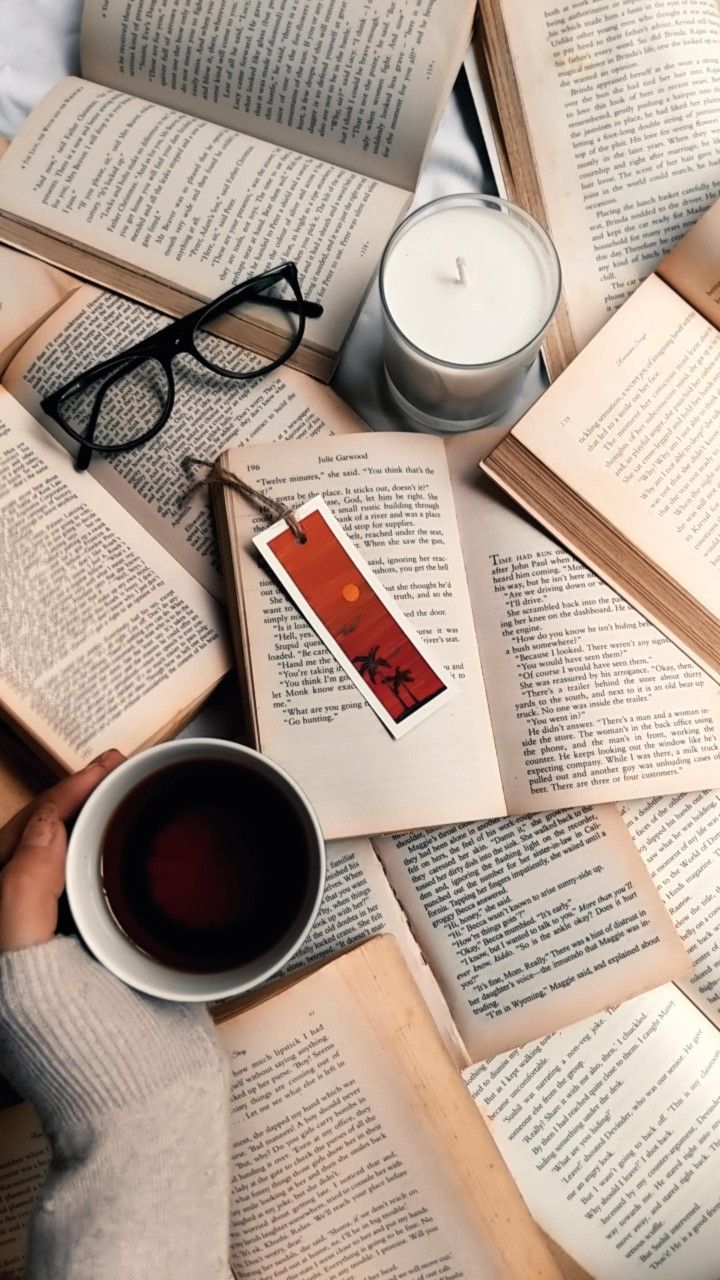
<point x="97" y="925"/>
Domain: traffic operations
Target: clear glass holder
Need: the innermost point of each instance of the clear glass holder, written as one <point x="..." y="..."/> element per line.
<point x="521" y="268"/>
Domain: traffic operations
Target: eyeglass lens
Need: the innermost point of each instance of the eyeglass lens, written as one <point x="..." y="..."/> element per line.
<point x="121" y="407"/>
<point x="260" y="307"/>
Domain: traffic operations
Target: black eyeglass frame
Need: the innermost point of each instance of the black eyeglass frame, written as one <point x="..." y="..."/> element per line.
<point x="174" y="339"/>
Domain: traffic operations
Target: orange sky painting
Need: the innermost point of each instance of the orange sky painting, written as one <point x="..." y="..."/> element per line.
<point x="337" y="591"/>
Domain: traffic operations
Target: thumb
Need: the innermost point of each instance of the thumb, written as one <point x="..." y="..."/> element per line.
<point x="32" y="881"/>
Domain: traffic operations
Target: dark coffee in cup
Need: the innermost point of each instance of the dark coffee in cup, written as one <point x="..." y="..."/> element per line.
<point x="207" y="864"/>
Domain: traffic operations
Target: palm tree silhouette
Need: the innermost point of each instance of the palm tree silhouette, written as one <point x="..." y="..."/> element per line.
<point x="369" y="664"/>
<point x="401" y="679"/>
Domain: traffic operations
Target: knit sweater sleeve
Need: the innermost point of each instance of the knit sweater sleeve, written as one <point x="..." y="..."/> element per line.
<point x="132" y="1093"/>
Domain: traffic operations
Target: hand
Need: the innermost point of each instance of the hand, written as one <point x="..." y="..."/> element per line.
<point x="33" y="846"/>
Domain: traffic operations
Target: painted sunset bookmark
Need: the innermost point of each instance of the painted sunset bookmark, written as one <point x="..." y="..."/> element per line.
<point x="342" y="599"/>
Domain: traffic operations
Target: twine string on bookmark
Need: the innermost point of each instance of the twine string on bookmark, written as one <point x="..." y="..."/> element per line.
<point x="216" y="474"/>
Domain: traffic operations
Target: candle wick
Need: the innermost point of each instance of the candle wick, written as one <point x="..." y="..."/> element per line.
<point x="461" y="270"/>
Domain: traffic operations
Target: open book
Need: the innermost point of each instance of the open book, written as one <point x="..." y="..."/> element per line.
<point x="611" y="1128"/>
<point x="607" y="124"/>
<point x="616" y="1076"/>
<point x="111" y="633"/>
<point x="620" y="459"/>
<point x="104" y="639"/>
<point x="207" y="144"/>
<point x="564" y="694"/>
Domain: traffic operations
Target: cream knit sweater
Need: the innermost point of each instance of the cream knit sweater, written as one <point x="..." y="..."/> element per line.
<point x="133" y="1095"/>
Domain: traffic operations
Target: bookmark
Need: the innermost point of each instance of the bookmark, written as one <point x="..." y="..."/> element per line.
<point x="345" y="603"/>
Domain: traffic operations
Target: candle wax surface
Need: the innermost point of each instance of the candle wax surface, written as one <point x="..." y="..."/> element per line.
<point x="508" y="295"/>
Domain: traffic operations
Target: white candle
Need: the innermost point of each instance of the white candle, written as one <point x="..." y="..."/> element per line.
<point x="469" y="285"/>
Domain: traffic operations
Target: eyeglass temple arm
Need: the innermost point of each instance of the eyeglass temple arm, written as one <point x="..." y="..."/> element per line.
<point x="311" y="310"/>
<point x="84" y="454"/>
<point x="123" y="362"/>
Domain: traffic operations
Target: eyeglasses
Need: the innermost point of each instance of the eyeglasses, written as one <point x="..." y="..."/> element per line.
<point x="137" y="385"/>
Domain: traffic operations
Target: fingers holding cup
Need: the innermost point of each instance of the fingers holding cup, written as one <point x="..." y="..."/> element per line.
<point x="32" y="881"/>
<point x="68" y="795"/>
<point x="33" y="848"/>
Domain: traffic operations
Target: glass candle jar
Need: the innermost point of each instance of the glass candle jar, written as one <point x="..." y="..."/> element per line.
<point x="468" y="285"/>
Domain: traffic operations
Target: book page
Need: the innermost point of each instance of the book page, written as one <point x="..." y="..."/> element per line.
<point x="693" y="266"/>
<point x="24" y="1160"/>
<point x="29" y="291"/>
<point x="359" y="84"/>
<point x="348" y="1155"/>
<point x="532" y="923"/>
<point x="589" y="702"/>
<point x="622" y="110"/>
<point x="210" y="412"/>
<point x="679" y="837"/>
<point x="358" y="903"/>
<point x="644" y="449"/>
<point x="104" y="640"/>
<point x="194" y="205"/>
<point x="611" y="1130"/>
<point x="391" y="494"/>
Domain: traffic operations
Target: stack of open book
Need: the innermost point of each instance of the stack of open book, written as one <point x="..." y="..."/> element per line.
<point x="552" y="921"/>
